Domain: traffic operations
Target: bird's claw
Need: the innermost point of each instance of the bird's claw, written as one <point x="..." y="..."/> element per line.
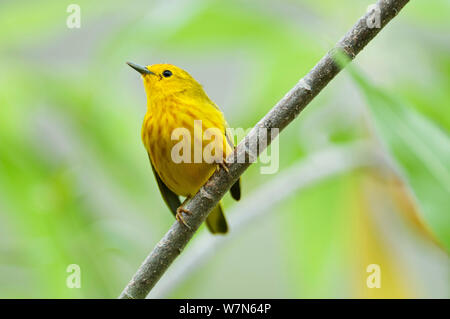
<point x="179" y="215"/>
<point x="224" y="166"/>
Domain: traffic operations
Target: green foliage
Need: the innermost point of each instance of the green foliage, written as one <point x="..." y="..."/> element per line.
<point x="421" y="150"/>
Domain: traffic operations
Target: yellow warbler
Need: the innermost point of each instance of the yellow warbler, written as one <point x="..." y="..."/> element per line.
<point x="177" y="106"/>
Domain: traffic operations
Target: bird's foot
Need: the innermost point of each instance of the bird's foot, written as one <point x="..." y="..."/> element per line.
<point x="179" y="215"/>
<point x="224" y="165"/>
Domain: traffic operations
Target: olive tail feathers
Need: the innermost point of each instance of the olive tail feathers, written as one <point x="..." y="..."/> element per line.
<point x="216" y="222"/>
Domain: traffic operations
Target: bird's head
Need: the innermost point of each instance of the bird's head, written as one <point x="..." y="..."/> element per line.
<point x="161" y="80"/>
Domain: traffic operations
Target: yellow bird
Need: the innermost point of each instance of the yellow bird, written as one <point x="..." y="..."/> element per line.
<point x="175" y="100"/>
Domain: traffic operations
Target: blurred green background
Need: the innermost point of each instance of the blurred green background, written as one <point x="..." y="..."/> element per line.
<point x="76" y="186"/>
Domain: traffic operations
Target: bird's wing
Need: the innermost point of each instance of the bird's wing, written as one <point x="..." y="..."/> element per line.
<point x="172" y="200"/>
<point x="235" y="190"/>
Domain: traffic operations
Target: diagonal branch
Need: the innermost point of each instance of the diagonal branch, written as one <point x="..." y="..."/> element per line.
<point x="284" y="112"/>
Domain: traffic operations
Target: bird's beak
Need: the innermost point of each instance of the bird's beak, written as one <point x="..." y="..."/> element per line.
<point x="141" y="69"/>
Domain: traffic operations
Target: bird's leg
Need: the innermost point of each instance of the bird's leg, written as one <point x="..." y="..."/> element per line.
<point x="224" y="165"/>
<point x="180" y="211"/>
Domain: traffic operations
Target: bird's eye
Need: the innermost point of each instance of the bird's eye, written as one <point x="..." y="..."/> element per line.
<point x="167" y="73"/>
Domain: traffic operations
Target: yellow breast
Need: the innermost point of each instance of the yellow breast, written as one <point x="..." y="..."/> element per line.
<point x="164" y="136"/>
